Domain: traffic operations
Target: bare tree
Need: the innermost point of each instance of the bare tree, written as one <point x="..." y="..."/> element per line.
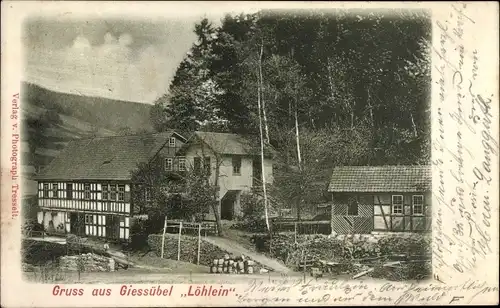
<point x="259" y="105"/>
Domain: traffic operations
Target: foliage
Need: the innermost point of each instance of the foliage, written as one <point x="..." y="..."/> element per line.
<point x="37" y="128"/>
<point x="191" y="101"/>
<point x="252" y="207"/>
<point x="179" y="195"/>
<point x="360" y="100"/>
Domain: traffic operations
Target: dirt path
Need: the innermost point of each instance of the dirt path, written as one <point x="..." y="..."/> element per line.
<point x="237" y="249"/>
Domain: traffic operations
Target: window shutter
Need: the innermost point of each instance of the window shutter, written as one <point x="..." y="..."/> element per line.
<point x="127" y="197"/>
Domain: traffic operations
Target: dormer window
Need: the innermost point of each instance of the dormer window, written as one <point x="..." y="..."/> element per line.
<point x="171" y="142"/>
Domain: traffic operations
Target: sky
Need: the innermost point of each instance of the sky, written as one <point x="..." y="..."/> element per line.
<point x="132" y="60"/>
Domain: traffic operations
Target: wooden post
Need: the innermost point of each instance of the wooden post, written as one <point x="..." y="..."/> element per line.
<point x="295" y="232"/>
<point x="199" y="244"/>
<point x="163" y="237"/>
<point x="331" y="220"/>
<point x="179" y="243"/>
<point x="304" y="264"/>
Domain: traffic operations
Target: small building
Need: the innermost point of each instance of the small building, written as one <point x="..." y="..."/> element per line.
<point x="380" y="198"/>
<point x="235" y="159"/>
<point x="88" y="190"/>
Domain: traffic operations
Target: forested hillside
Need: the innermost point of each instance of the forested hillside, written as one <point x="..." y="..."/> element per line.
<point x="331" y="88"/>
<point x="102" y="112"/>
<point x="51" y="119"/>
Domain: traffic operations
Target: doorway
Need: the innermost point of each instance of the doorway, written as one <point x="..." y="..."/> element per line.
<point x="227" y="205"/>
<point x="112" y="226"/>
<point x="77" y="223"/>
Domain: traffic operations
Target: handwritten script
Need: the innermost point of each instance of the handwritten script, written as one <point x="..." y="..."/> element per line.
<point x="465" y="150"/>
<point x="324" y="292"/>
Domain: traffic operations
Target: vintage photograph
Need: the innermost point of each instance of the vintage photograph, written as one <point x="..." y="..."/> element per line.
<point x="227" y="146"/>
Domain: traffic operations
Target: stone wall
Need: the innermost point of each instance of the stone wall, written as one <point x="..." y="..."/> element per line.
<point x="88" y="262"/>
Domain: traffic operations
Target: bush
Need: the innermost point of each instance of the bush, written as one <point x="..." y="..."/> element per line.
<point x="413" y="245"/>
<point x="30" y="225"/>
<point x="252" y="209"/>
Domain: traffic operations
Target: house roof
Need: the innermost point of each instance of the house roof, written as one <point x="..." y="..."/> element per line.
<point x="231" y="144"/>
<point x="380" y="179"/>
<point x="104" y="158"/>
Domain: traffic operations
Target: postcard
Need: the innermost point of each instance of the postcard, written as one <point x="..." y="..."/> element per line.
<point x="209" y="154"/>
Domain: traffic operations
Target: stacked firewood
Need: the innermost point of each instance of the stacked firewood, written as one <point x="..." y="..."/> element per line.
<point x="232" y="265"/>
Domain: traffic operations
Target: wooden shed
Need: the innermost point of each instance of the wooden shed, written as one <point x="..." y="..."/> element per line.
<point x="380" y="198"/>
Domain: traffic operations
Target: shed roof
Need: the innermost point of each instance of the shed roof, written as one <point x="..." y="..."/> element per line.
<point x="380" y="179"/>
<point x="104" y="158"/>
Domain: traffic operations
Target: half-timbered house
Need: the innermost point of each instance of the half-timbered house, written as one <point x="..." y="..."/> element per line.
<point x="86" y="189"/>
<point x="370" y="199"/>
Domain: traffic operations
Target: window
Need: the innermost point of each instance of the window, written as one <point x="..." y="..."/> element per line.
<point x="45" y="190"/>
<point x="147" y="194"/>
<point x="55" y="192"/>
<point x="236" y="165"/>
<point x="89" y="219"/>
<point x="182" y="164"/>
<point x="124" y="227"/>
<point x="171" y="142"/>
<point x="206" y="165"/>
<point x="112" y="194"/>
<point x="352" y="207"/>
<point x="197" y="164"/>
<point x="418" y="205"/>
<point x="105" y="191"/>
<point x="169" y="162"/>
<point x="397" y="204"/>
<point x="86" y="193"/>
<point x="69" y="191"/>
<point x="121" y="192"/>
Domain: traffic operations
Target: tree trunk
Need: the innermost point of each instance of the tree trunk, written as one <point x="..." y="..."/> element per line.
<point x="299" y="156"/>
<point x="297" y="138"/>
<point x="413" y="125"/>
<point x="261" y="84"/>
<point x="259" y="94"/>
<point x="370" y="107"/>
<point x="299" y="216"/>
<point x="216" y="207"/>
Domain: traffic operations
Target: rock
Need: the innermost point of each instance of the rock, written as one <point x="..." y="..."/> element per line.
<point x="263" y="271"/>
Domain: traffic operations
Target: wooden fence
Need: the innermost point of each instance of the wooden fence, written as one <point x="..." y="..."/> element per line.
<point x="30" y="233"/>
<point x="206" y="228"/>
<point x="301" y="226"/>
